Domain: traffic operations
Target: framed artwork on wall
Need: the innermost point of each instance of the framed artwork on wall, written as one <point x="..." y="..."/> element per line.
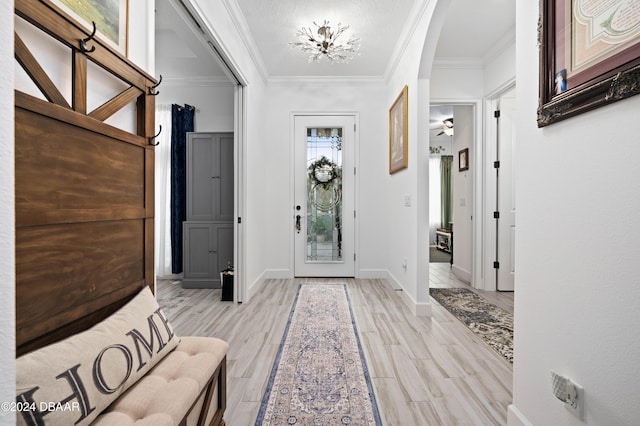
<point x="110" y="16"/>
<point x="463" y="160"/>
<point x="589" y="56"/>
<point x="398" y="133"/>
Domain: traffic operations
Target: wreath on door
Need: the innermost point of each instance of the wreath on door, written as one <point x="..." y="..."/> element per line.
<point x="323" y="172"/>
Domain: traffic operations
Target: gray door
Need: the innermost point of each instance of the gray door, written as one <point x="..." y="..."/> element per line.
<point x="210" y="177"/>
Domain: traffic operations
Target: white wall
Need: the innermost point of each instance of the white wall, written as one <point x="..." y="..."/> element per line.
<point x="366" y="99"/>
<point x="462" y="182"/>
<point x="7" y="217"/>
<point x="214" y="103"/>
<point x="576" y="303"/>
<point x="500" y="69"/>
<point x="460" y="83"/>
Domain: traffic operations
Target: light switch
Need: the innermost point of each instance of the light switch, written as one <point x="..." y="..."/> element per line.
<point x="407" y="200"/>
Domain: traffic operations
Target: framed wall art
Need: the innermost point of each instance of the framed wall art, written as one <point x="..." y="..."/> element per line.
<point x="110" y="16"/>
<point x="398" y="133"/>
<point x="589" y="56"/>
<point x="463" y="160"/>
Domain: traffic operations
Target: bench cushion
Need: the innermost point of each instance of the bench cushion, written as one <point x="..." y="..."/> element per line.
<point x="72" y="381"/>
<point x="167" y="392"/>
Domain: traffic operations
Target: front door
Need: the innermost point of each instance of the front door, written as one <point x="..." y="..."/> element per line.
<point x="324" y="208"/>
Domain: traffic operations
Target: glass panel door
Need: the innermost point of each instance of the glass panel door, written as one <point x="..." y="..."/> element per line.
<point x="324" y="200"/>
<point x="323" y="221"/>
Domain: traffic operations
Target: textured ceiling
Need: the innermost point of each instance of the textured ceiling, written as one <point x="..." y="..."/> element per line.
<point x="472" y="31"/>
<point x="274" y="24"/>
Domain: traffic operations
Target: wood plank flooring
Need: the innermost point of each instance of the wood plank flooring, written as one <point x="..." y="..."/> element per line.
<point x="425" y="371"/>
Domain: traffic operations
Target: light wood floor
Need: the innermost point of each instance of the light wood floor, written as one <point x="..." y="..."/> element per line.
<point x="425" y="371"/>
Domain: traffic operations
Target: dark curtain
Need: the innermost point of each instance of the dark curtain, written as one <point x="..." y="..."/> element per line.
<point x="181" y="123"/>
<point x="446" y="191"/>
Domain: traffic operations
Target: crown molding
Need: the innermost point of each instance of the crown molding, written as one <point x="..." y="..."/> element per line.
<point x="507" y="40"/>
<point x="418" y="9"/>
<point x="242" y="27"/>
<point x="358" y="81"/>
<point x="458" y="63"/>
<point x="197" y="81"/>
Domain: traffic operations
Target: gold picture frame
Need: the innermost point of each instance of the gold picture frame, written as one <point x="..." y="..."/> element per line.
<point x="111" y="19"/>
<point x="589" y="56"/>
<point x="398" y="133"/>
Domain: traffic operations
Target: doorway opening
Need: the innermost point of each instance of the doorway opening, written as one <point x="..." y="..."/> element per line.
<point x="452" y="145"/>
<point x="196" y="73"/>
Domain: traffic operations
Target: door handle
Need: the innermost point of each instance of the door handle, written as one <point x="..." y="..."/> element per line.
<point x="298" y="223"/>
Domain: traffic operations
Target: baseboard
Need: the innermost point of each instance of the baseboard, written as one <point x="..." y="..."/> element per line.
<point x="418" y="309"/>
<point x="267" y="274"/>
<point x="516" y="418"/>
<point x="463" y="274"/>
<point x="372" y="274"/>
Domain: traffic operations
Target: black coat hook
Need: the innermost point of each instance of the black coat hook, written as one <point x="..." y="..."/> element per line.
<point x="152" y="138"/>
<point x="152" y="89"/>
<point x="83" y="42"/>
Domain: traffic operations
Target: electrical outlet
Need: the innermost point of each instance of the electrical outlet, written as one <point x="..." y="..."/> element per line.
<point x="570" y="393"/>
<point x="576" y="399"/>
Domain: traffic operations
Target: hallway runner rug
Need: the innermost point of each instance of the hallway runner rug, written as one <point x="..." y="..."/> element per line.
<point x="491" y="323"/>
<point x="320" y="376"/>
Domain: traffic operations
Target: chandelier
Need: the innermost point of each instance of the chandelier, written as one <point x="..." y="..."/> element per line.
<point x="324" y="43"/>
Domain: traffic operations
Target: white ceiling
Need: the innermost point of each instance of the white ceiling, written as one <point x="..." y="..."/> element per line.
<point x="472" y="31"/>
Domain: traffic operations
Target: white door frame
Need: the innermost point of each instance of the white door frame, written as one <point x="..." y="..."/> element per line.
<point x="292" y="116"/>
<point x="489" y="195"/>
<point x="477" y="168"/>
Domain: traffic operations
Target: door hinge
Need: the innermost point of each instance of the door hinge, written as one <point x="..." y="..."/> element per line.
<point x="496" y="215"/>
<point x="496" y="114"/>
<point x="354" y="214"/>
<point x="354" y="257"/>
<point x="496" y="265"/>
<point x="354" y="171"/>
<point x="496" y="164"/>
<point x="354" y="127"/>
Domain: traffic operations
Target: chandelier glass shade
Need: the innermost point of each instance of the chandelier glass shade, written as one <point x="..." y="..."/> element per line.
<point x="324" y="43"/>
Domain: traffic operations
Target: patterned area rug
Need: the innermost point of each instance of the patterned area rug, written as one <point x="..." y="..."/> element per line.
<point x="319" y="376"/>
<point x="493" y="324"/>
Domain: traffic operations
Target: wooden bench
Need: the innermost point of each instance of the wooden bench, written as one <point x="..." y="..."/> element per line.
<point x="129" y="369"/>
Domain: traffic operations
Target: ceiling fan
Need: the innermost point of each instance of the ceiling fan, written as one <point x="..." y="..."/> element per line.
<point x="445" y="126"/>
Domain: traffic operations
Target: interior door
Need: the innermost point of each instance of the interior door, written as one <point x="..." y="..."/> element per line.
<point x="506" y="192"/>
<point x="323" y="211"/>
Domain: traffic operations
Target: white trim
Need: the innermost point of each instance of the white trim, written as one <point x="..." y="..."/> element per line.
<point x="242" y="27"/>
<point x="372" y="274"/>
<point x="418" y="10"/>
<point x="267" y="274"/>
<point x="507" y="39"/>
<point x="213" y="40"/>
<point x="240" y="192"/>
<point x="488" y="195"/>
<point x="461" y="273"/>
<point x="362" y="81"/>
<point x="292" y="116"/>
<point x="197" y="81"/>
<point x="515" y="417"/>
<point x="457" y="63"/>
<point x="417" y="309"/>
<point x="476" y="276"/>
